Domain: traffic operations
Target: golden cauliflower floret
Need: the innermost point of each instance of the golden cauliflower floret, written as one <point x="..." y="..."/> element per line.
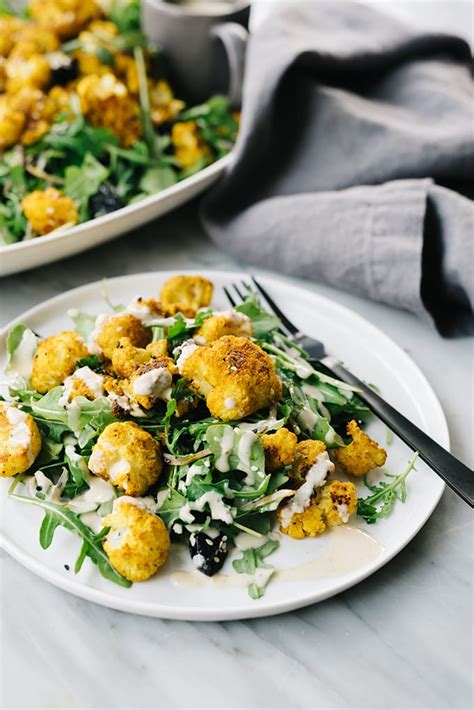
<point x="12" y="122"/>
<point x="305" y="456"/>
<point x="186" y="291"/>
<point x="362" y="454"/>
<point x="152" y="382"/>
<point x="84" y="382"/>
<point x="331" y="507"/>
<point x="55" y="359"/>
<point x="49" y="209"/>
<point x="31" y="71"/>
<point x="164" y="105"/>
<point x="158" y="348"/>
<point x="280" y="449"/>
<point x="230" y="323"/>
<point x="10" y="27"/>
<point x="20" y="440"/>
<point x="33" y="39"/>
<point x="187" y="143"/>
<point x="106" y="102"/>
<point x="127" y="456"/>
<point x="235" y="376"/>
<point x="137" y="543"/>
<point x="65" y="18"/>
<point x="126" y="358"/>
<point x="337" y="502"/>
<point x="110" y="329"/>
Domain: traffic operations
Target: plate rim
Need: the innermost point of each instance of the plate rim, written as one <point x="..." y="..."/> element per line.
<point x="190" y="613"/>
<point x="78" y="230"/>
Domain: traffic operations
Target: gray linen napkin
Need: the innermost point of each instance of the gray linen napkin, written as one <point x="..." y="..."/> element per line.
<point x="355" y="161"/>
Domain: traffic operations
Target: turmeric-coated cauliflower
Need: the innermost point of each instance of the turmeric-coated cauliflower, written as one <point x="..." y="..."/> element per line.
<point x="362" y="454"/>
<point x="10" y="26"/>
<point x="235" y="375"/>
<point x="280" y="449"/>
<point x="187" y="291"/>
<point x="20" y="440"/>
<point x="152" y="382"/>
<point x="188" y="144"/>
<point x="126" y="358"/>
<point x="331" y="507"/>
<point x="127" y="456"/>
<point x="84" y="382"/>
<point x="49" y="209"/>
<point x="33" y="39"/>
<point x="110" y="328"/>
<point x="64" y="17"/>
<point x="55" y="359"/>
<point x="164" y="105"/>
<point x="137" y="543"/>
<point x="106" y="102"/>
<point x="228" y="323"/>
<point x="306" y="455"/>
<point x="27" y="71"/>
<point x="11" y="123"/>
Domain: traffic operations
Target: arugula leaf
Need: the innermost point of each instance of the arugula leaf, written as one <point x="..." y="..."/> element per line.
<point x="83" y="181"/>
<point x="263" y="322"/>
<point x="92" y="361"/>
<point x="84" y="323"/>
<point x="16" y="365"/>
<point x="171" y="507"/>
<point x="58" y="514"/>
<point x="87" y="418"/>
<point x="384" y="495"/>
<point x="236" y="450"/>
<point x="157" y="178"/>
<point x="251" y="561"/>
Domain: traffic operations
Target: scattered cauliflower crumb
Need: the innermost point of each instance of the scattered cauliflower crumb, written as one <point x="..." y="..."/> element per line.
<point x="137" y="543"/>
<point x="280" y="449"/>
<point x="127" y="456"/>
<point x="187" y="291"/>
<point x="362" y="454"/>
<point x="233" y="370"/>
<point x="49" y="209"/>
<point x="55" y="359"/>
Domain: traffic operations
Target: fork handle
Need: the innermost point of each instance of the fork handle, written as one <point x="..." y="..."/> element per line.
<point x="455" y="474"/>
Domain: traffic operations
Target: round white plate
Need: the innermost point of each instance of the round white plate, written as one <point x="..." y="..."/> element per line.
<point x="44" y="250"/>
<point x="340" y="559"/>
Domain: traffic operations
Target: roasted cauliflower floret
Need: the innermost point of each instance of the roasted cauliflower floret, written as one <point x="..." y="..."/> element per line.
<point x="10" y="27"/>
<point x="128" y="457"/>
<point x="106" y="102"/>
<point x="137" y="543"/>
<point x="20" y="440"/>
<point x="186" y="291"/>
<point x="49" y="209"/>
<point x="235" y="376"/>
<point x="65" y="18"/>
<point x="126" y="358"/>
<point x="111" y="328"/>
<point x="30" y="71"/>
<point x="164" y="105"/>
<point x="152" y="382"/>
<point x="84" y="382"/>
<point x="306" y="455"/>
<point x="280" y="449"/>
<point x="362" y="454"/>
<point x="12" y="122"/>
<point x="229" y="323"/>
<point x="187" y="143"/>
<point x="331" y="507"/>
<point x="33" y="39"/>
<point x="55" y="359"/>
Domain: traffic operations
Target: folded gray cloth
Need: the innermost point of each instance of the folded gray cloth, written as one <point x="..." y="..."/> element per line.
<point x="355" y="161"/>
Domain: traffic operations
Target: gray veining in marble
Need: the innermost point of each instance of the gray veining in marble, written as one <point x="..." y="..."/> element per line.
<point x="401" y="639"/>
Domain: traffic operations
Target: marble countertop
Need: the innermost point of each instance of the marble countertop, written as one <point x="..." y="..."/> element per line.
<point x="400" y="639"/>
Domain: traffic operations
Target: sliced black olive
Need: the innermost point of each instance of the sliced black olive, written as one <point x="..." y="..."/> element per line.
<point x="208" y="553"/>
<point x="104" y="201"/>
<point x="63" y="67"/>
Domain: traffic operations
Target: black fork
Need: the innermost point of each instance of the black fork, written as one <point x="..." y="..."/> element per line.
<point x="455" y="474"/>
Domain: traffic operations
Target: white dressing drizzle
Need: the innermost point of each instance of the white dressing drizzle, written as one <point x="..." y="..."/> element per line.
<point x="315" y="477"/>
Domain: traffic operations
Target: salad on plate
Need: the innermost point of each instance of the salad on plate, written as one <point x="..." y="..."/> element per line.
<point x="167" y="422"/>
<point x="89" y="122"/>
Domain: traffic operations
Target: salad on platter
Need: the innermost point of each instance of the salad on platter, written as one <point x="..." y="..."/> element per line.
<point x="167" y="422"/>
<point x="88" y="120"/>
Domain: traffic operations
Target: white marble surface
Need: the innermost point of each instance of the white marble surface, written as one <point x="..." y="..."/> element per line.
<point x="401" y="639"/>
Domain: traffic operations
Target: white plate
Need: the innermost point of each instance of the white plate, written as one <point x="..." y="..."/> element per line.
<point x="366" y="350"/>
<point x="44" y="250"/>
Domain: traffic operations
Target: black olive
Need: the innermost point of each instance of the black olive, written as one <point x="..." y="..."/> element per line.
<point x="105" y="200"/>
<point x="63" y="67"/>
<point x="208" y="553"/>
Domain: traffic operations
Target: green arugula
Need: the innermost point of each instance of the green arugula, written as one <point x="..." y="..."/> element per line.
<point x="384" y="495"/>
<point x="252" y="560"/>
